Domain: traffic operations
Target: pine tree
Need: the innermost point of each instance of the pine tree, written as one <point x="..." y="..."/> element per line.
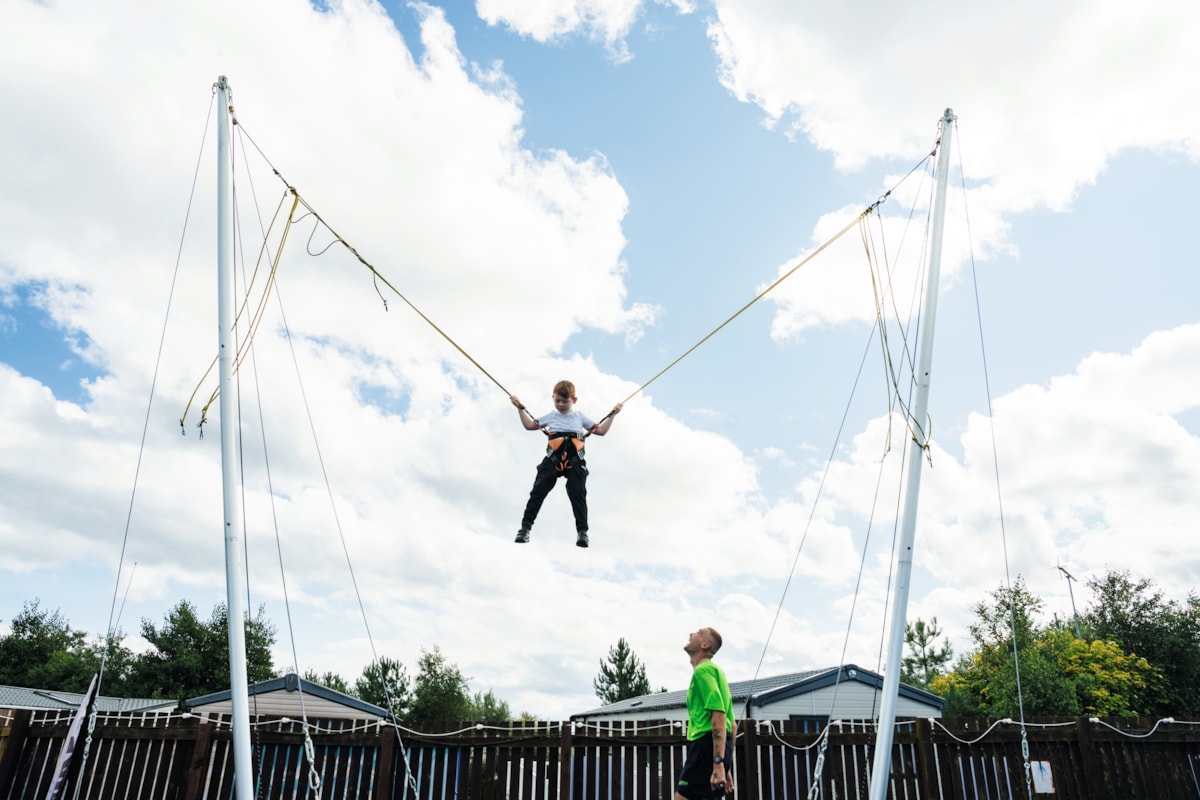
<point x="385" y="683"/>
<point x="926" y="659"/>
<point x="440" y="692"/>
<point x="622" y="677"/>
<point x="490" y="709"/>
<point x="328" y="679"/>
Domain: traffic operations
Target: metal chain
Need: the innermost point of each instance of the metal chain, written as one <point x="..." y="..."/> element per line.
<point x="87" y="745"/>
<point x="814" y="789"/>
<point x="1028" y="771"/>
<point x="411" y="782"/>
<point x="314" y="777"/>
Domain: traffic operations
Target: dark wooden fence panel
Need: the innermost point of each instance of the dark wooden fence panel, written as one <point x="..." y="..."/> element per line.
<point x="776" y="761"/>
<point x="13" y="725"/>
<point x="449" y="762"/>
<point x="148" y="757"/>
<point x="1165" y="767"/>
<point x="342" y="770"/>
<point x="981" y="759"/>
<point x="36" y="754"/>
<point x="782" y="759"/>
<point x="140" y="764"/>
<point x="620" y="760"/>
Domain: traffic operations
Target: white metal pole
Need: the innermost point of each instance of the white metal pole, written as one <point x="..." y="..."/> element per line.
<point x="234" y="566"/>
<point x="881" y="768"/>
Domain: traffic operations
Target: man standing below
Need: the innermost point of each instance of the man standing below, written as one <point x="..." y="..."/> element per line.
<point x="708" y="769"/>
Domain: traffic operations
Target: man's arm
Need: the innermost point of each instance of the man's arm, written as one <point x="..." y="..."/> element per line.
<point x="718" y="742"/>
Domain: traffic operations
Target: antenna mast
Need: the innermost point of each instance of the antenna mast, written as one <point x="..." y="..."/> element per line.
<point x="1070" y="578"/>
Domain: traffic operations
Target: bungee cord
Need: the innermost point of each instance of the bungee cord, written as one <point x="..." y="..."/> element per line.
<point x="882" y="289"/>
<point x="756" y="298"/>
<point x="379" y="277"/>
<point x="257" y="317"/>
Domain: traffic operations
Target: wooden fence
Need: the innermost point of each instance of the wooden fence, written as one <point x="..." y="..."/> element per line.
<point x="187" y="758"/>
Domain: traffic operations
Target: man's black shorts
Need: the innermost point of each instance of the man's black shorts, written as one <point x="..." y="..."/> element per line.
<point x="695" y="781"/>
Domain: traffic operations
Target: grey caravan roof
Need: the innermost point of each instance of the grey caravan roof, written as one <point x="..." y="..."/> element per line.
<point x="21" y="697"/>
<point x="764" y="691"/>
<point x="285" y="692"/>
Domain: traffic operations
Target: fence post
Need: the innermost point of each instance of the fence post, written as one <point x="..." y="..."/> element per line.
<point x="12" y="749"/>
<point x="198" y="767"/>
<point x="927" y="771"/>
<point x="564" y="761"/>
<point x="385" y="776"/>
<point x="1093" y="777"/>
<point x="747" y="773"/>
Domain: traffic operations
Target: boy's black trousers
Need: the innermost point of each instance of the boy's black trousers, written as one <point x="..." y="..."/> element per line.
<point x="547" y="475"/>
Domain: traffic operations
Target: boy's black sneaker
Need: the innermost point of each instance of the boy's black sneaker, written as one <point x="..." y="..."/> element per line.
<point x="522" y="536"/>
<point x="581" y="539"/>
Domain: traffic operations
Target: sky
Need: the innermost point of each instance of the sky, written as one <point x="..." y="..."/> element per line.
<point x="584" y="190"/>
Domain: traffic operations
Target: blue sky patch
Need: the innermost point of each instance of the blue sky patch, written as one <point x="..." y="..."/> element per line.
<point x="36" y="345"/>
<point x="384" y="399"/>
<point x="1190" y="420"/>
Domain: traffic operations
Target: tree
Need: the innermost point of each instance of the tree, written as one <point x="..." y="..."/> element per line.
<point x="385" y="683"/>
<point x="1044" y="691"/>
<point x="440" y="690"/>
<point x="1107" y="681"/>
<point x="489" y="709"/>
<point x="117" y="662"/>
<point x="190" y="657"/>
<point x="1060" y="674"/>
<point x="927" y="659"/>
<point x="1009" y="613"/>
<point x="952" y="687"/>
<point x="622" y="677"/>
<point x="1135" y="615"/>
<point x="985" y="681"/>
<point x="42" y="651"/>
<point x="330" y="680"/>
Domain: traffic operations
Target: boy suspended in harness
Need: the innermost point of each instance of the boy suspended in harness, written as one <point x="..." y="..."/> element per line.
<point x="566" y="429"/>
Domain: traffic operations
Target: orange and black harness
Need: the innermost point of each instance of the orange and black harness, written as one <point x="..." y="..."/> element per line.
<point x="564" y="448"/>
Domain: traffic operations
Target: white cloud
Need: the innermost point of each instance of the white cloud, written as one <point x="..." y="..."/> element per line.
<point x="834" y="73"/>
<point x="1088" y="464"/>
<point x="1047" y="96"/>
<point x="545" y="20"/>
<point x="608" y="21"/>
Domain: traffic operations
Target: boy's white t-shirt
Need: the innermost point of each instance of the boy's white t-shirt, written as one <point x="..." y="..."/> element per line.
<point x="573" y="421"/>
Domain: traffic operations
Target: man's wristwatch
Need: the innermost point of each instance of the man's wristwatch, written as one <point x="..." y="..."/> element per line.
<point x="718" y="760"/>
